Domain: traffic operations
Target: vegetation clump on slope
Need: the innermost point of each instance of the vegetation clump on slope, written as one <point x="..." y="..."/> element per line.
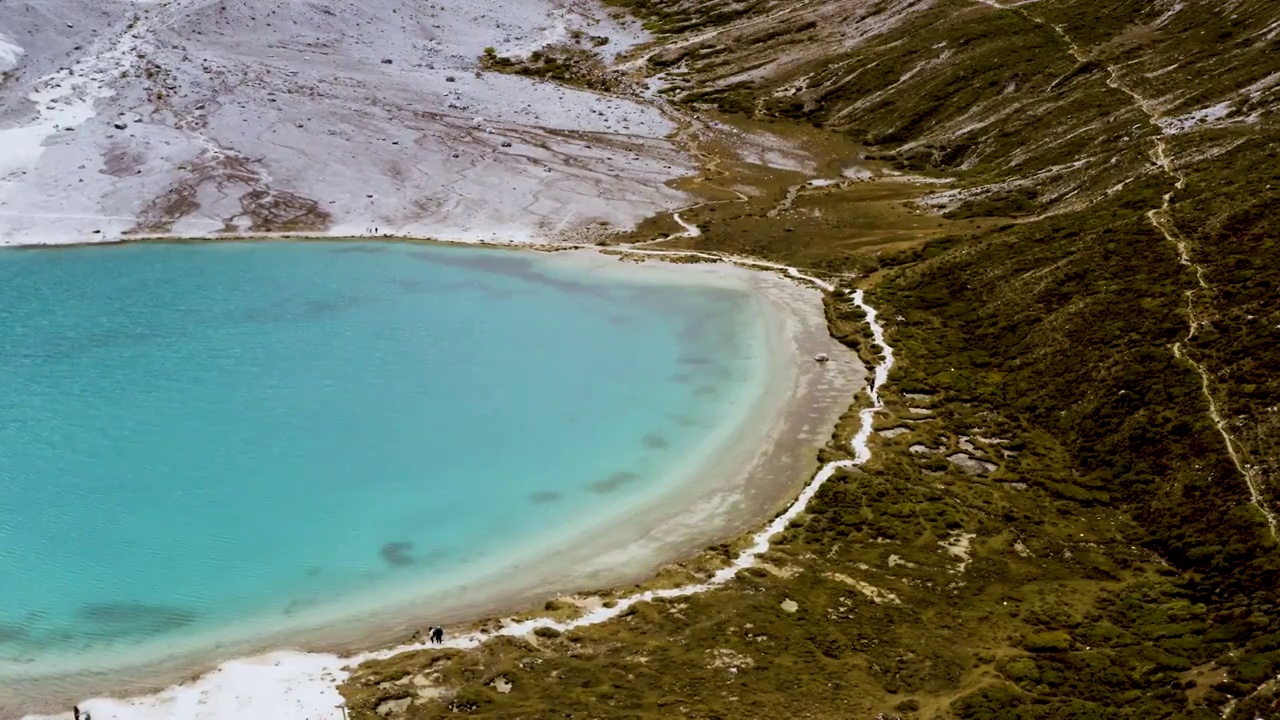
<point x="1066" y="512"/>
<point x="576" y="63"/>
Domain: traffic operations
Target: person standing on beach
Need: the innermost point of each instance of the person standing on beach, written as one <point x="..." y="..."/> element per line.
<point x="437" y="635"/>
<point x="76" y="709"/>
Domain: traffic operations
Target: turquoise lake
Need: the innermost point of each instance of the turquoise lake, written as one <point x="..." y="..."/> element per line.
<point x="199" y="438"/>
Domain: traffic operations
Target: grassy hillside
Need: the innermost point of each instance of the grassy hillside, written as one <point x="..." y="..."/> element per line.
<point x="1069" y="515"/>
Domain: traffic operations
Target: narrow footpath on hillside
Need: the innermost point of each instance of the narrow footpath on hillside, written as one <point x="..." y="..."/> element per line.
<point x="1160" y="218"/>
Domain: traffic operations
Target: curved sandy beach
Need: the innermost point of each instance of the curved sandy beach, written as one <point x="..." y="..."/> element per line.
<point x="311" y="122"/>
<point x="732" y="484"/>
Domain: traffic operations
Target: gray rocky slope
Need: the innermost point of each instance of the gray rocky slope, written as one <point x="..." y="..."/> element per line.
<point x="191" y="117"/>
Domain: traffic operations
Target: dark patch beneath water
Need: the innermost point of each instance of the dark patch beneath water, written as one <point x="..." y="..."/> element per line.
<point x="134" y="619"/>
<point x="368" y="248"/>
<point x="613" y="482"/>
<point x="409" y="286"/>
<point x="543" y="497"/>
<point x="65" y="347"/>
<point x="11" y="633"/>
<point x="325" y="307"/>
<point x="694" y="361"/>
<point x="311" y="309"/>
<point x="299" y="604"/>
<point x="397" y="554"/>
<point x="706" y="391"/>
<point x="509" y="264"/>
<point x="654" y="441"/>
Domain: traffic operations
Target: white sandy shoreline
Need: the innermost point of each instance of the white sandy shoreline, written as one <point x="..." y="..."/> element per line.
<point x="271" y="683"/>
<point x="442" y="152"/>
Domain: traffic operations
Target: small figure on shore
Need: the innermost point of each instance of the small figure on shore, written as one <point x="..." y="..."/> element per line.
<point x="76" y="711"/>
<point x="437" y="635"/>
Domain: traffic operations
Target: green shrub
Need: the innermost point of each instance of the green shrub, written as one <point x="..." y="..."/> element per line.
<point x="1055" y="641"/>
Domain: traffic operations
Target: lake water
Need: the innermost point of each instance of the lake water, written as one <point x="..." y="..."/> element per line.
<point x="198" y="440"/>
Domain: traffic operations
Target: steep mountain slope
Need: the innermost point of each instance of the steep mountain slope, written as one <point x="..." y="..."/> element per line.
<point x="1072" y="509"/>
<point x="1162" y="117"/>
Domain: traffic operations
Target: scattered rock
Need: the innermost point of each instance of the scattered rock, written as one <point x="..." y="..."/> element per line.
<point x="502" y="685"/>
<point x="387" y="708"/>
<point x="120" y="125"/>
<point x="450" y="78"/>
<point x="971" y="465"/>
<point x="729" y="660"/>
<point x="506" y="143"/>
<point x="958" y="546"/>
<point x="876" y="595"/>
<point x="822" y="357"/>
<point x="386" y="61"/>
<point x="790" y="605"/>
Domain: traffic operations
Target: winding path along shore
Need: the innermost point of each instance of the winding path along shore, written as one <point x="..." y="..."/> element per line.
<point x="291" y="685"/>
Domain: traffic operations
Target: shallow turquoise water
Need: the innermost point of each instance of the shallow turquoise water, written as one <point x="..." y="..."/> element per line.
<point x="197" y="437"/>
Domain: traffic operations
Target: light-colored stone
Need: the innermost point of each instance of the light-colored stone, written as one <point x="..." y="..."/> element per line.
<point x="387" y="708"/>
<point x="957" y="546"/>
<point x="970" y="465"/>
<point x="895" y="561"/>
<point x="879" y="596"/>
